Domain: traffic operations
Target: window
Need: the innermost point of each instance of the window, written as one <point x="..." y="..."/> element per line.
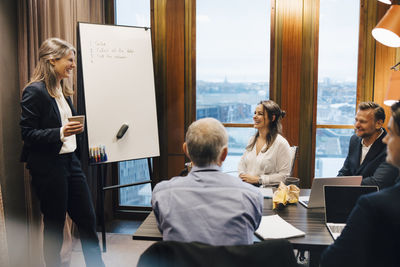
<point x="133" y="13"/>
<point x="337" y="83"/>
<point x="232" y="57"/>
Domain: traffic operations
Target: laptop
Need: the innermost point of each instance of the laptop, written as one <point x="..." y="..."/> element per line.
<point x="316" y="198"/>
<point x="339" y="202"/>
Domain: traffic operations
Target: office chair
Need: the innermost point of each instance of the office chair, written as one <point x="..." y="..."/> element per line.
<point x="274" y="252"/>
<point x="294" y="152"/>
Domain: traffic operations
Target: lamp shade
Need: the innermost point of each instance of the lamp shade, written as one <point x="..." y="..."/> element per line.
<point x="387" y="31"/>
<point x="385" y="1"/>
<point x="393" y="91"/>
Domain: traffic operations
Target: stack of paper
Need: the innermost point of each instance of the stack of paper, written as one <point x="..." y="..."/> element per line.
<point x="273" y="226"/>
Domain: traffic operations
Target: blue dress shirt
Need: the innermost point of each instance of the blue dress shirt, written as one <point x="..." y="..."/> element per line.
<point x="207" y="206"/>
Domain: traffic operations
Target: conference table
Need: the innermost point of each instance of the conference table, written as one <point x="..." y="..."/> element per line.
<point x="310" y="221"/>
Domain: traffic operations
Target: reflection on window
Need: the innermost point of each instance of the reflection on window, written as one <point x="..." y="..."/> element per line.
<point x="133" y="171"/>
<point x="134" y="13"/>
<point x="337" y="82"/>
<point x="332" y="146"/>
<point x="238" y="140"/>
<point x="232" y="60"/>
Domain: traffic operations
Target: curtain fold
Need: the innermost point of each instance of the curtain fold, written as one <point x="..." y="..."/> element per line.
<point x="37" y="21"/>
<point x="4" y="261"/>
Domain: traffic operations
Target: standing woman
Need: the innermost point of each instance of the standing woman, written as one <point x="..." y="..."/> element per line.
<point x="267" y="159"/>
<point x="49" y="150"/>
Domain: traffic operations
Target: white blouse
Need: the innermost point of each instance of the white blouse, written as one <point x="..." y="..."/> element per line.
<point x="69" y="142"/>
<point x="272" y="166"/>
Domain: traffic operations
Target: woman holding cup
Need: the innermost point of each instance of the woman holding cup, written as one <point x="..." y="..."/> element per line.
<point x="267" y="159"/>
<point x="49" y="151"/>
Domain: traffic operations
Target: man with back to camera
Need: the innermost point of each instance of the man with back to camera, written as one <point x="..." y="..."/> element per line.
<point x="372" y="233"/>
<point x="367" y="153"/>
<point x="207" y="205"/>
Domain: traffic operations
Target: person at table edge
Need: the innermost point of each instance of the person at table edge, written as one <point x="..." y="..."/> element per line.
<point x="207" y="205"/>
<point x="372" y="233"/>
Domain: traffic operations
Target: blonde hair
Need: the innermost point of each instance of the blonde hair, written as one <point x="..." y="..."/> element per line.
<point x="52" y="48"/>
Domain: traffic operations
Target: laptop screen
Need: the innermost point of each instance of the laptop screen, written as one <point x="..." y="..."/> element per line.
<point x="340" y="200"/>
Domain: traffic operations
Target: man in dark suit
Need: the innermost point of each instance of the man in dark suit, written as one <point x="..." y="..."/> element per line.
<point x="367" y="153"/>
<point x="372" y="233"/>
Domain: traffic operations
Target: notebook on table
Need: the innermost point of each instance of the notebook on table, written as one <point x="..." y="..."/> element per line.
<point x="316" y="198"/>
<point x="339" y="202"/>
<point x="273" y="226"/>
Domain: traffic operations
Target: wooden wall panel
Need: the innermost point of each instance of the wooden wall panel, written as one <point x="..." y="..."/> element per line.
<point x="158" y="25"/>
<point x="176" y="165"/>
<point x="174" y="59"/>
<point x="291" y="67"/>
<point x="366" y="51"/>
<point x="175" y="75"/>
<point x="385" y="58"/>
<point x="309" y="78"/>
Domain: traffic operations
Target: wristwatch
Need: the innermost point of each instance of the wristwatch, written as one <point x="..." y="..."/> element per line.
<point x="259" y="181"/>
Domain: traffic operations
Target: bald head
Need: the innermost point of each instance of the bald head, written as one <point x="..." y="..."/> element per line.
<point x="206" y="140"/>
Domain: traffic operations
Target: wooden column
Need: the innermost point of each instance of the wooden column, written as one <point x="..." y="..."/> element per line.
<point x="174" y="59"/>
<point x="294" y="48"/>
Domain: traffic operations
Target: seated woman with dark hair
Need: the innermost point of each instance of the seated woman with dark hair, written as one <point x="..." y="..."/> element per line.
<point x="267" y="159"/>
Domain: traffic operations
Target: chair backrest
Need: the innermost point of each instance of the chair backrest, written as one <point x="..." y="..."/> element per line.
<point x="293" y="150"/>
<point x="274" y="252"/>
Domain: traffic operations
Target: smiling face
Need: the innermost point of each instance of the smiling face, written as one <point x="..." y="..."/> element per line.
<point x="260" y="117"/>
<point x="64" y="66"/>
<point x="365" y="123"/>
<point x="392" y="139"/>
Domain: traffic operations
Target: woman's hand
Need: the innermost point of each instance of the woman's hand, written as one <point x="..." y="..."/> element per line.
<point x="251" y="179"/>
<point x="72" y="127"/>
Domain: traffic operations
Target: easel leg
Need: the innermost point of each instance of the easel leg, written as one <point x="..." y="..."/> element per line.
<point x="103" y="171"/>
<point x="150" y="172"/>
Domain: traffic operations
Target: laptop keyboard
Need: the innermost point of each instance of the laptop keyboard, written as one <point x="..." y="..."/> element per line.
<point x="335" y="229"/>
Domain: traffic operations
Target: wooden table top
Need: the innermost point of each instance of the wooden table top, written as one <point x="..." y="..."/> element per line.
<point x="310" y="221"/>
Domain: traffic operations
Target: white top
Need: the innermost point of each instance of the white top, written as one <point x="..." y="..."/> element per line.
<point x="365" y="149"/>
<point x="69" y="143"/>
<point x="273" y="166"/>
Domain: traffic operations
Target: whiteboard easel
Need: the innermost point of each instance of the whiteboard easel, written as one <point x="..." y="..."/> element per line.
<point x="118" y="89"/>
<point x="118" y="79"/>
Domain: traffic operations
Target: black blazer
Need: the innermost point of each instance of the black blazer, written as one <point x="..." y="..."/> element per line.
<point x="40" y="127"/>
<point x="372" y="233"/>
<point x="374" y="169"/>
